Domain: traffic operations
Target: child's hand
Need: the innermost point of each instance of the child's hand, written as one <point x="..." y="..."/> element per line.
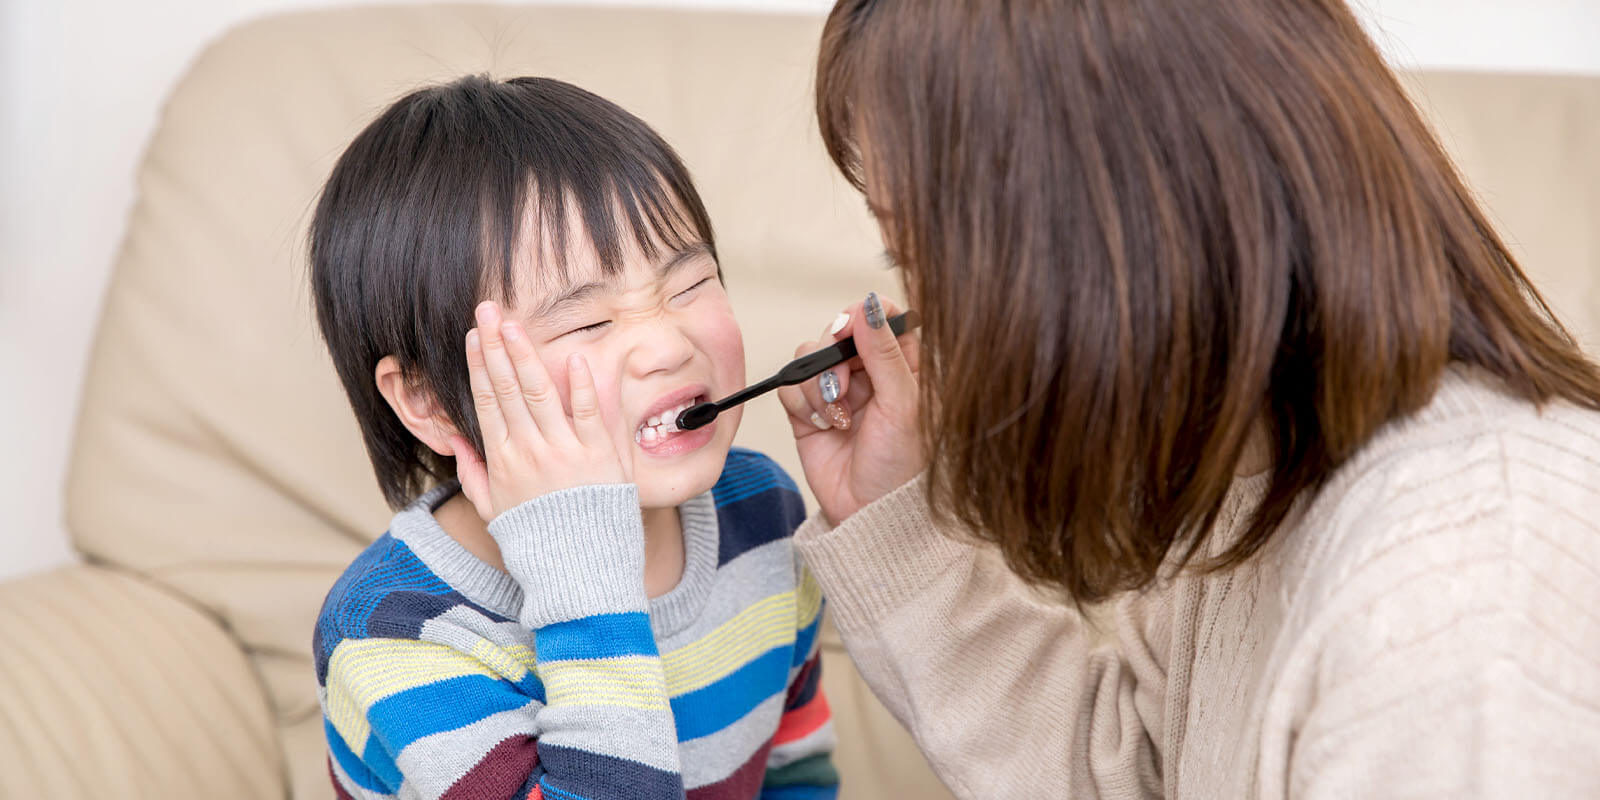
<point x="531" y="448"/>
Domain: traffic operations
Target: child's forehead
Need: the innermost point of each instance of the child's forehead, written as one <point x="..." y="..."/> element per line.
<point x="555" y="251"/>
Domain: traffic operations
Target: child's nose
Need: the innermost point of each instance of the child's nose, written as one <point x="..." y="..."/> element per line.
<point x="662" y="347"/>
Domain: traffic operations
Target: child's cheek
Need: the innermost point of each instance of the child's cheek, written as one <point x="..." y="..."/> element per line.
<point x="724" y="343"/>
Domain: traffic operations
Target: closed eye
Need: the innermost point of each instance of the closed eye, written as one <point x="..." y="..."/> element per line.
<point x="697" y="285"/>
<point x="587" y="328"/>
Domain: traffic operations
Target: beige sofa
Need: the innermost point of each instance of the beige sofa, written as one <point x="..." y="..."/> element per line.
<point x="218" y="485"/>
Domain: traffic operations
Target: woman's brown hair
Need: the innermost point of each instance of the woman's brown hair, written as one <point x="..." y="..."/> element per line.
<point x="1137" y="231"/>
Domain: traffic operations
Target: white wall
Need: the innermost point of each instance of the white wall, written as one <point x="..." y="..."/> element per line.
<point x="81" y="82"/>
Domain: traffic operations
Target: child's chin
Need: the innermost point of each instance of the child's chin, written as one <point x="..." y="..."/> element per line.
<point x="673" y="485"/>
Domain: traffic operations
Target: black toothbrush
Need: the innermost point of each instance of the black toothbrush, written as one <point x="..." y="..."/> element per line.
<point x="799" y="370"/>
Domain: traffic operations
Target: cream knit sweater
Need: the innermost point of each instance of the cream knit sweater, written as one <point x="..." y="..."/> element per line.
<point x="1428" y="627"/>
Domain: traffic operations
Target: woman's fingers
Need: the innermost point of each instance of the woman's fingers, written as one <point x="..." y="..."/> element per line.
<point x="802" y="413"/>
<point x="894" y="381"/>
<point x="538" y="391"/>
<point x="835" y="383"/>
<point x="586" y="420"/>
<point x="484" y="400"/>
<point x="502" y="373"/>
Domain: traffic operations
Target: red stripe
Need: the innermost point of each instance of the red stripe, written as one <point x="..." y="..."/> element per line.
<point x="500" y="773"/>
<point x="744" y="783"/>
<point x="798" y="723"/>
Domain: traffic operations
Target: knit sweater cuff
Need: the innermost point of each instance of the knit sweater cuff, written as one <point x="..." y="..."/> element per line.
<point x="880" y="558"/>
<point x="576" y="553"/>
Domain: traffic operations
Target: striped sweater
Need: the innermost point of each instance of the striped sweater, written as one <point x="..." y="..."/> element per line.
<point x="443" y="677"/>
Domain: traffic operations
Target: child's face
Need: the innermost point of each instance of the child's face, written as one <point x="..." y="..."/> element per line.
<point x="658" y="337"/>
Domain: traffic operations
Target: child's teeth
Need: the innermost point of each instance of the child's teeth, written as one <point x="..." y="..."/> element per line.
<point x="650" y="436"/>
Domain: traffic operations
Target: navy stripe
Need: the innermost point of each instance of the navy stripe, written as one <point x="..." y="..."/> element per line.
<point x="805" y="684"/>
<point x="603" y="777"/>
<point x="387" y="565"/>
<point x="745" y="526"/>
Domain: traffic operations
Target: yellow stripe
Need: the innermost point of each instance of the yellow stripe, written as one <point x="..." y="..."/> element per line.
<point x="631" y="681"/>
<point x="512" y="662"/>
<point x="810" y="599"/>
<point x="765" y="624"/>
<point x="363" y="671"/>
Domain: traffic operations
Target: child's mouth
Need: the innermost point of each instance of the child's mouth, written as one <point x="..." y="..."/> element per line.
<point x="663" y="427"/>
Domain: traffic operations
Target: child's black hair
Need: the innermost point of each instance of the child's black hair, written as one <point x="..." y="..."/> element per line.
<point x="419" y="222"/>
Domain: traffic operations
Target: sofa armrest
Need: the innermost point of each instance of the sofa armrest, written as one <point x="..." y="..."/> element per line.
<point x="110" y="686"/>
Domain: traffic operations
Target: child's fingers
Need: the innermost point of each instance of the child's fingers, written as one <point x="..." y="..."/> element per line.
<point x="539" y="395"/>
<point x="484" y="401"/>
<point x="586" y="421"/>
<point x="502" y="374"/>
<point x="473" y="475"/>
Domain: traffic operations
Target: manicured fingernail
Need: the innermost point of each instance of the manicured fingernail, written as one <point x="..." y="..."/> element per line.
<point x="839" y="323"/>
<point x="472" y="338"/>
<point x="874" y="310"/>
<point x="830" y="387"/>
<point x="838" y="416"/>
<point x="817" y="420"/>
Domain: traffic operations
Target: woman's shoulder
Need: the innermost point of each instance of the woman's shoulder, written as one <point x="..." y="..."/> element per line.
<point x="1481" y="494"/>
<point x="1474" y="437"/>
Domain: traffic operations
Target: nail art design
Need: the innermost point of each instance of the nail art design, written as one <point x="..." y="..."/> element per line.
<point x="817" y="420"/>
<point x="838" y="416"/>
<point x="829" y="382"/>
<point x="839" y="323"/>
<point x="874" y="310"/>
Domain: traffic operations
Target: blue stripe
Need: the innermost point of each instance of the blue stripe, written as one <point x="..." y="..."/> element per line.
<point x="753" y="482"/>
<point x="531" y="686"/>
<point x="599" y="636"/>
<point x="803" y="640"/>
<point x="559" y="794"/>
<point x="440" y="706"/>
<point x="351" y="763"/>
<point x="770" y="471"/>
<point x="800" y="792"/>
<point x="709" y="709"/>
<point x="729" y="500"/>
<point x="382" y="765"/>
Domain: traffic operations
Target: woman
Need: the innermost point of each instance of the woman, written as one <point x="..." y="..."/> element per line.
<point x="1215" y="333"/>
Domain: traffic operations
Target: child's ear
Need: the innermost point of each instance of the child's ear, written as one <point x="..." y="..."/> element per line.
<point x="414" y="406"/>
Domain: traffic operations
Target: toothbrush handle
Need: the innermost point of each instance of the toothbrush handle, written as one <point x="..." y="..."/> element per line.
<point x="809" y="366"/>
<point x="797" y="371"/>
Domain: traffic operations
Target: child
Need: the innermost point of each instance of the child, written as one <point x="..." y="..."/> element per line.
<point x="632" y="623"/>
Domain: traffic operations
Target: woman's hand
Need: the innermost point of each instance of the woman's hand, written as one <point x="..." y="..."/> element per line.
<point x="857" y="426"/>
<point x="531" y="448"/>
